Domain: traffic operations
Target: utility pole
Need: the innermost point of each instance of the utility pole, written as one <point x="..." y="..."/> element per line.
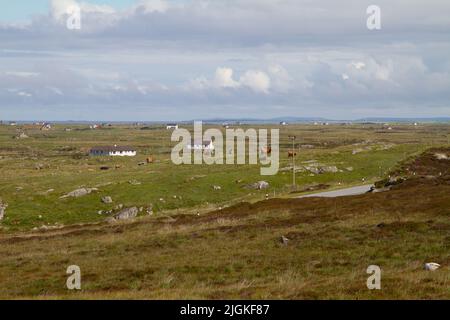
<point x="293" y="161"/>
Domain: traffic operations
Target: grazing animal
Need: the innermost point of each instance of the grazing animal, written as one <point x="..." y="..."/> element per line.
<point x="149" y="159"/>
<point x="291" y="154"/>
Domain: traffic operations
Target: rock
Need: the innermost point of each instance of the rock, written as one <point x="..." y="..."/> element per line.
<point x="432" y="266"/>
<point x="149" y="210"/>
<point x="260" y="185"/>
<point x="332" y="169"/>
<point x="313" y="169"/>
<point x="110" y="220"/>
<point x="3" y="207"/>
<point x="107" y="199"/>
<point x="134" y="182"/>
<point x="118" y="207"/>
<point x="349" y="168"/>
<point x="284" y="240"/>
<point x="39" y="166"/>
<point x="79" y="192"/>
<point x="22" y="135"/>
<point x="217" y="187"/>
<point x="127" y="213"/>
<point x="441" y="156"/>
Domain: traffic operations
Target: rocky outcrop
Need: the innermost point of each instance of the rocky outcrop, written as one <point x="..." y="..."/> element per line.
<point x="127" y="213"/>
<point x="79" y="193"/>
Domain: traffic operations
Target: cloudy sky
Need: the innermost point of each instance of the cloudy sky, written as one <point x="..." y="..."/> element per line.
<point x="185" y="59"/>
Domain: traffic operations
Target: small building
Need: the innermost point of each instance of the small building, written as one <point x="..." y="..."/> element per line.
<point x="113" y="151"/>
<point x="201" y="145"/>
<point x="46" y="126"/>
<point x="172" y="126"/>
<point x="283" y="123"/>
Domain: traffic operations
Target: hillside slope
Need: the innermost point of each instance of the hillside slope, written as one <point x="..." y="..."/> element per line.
<point x="237" y="252"/>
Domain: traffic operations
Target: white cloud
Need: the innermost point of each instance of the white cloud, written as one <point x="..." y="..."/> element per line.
<point x="256" y="80"/>
<point x="224" y="78"/>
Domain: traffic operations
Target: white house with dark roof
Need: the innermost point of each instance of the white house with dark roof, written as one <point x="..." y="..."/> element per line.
<point x="113" y="151"/>
<point x="172" y="126"/>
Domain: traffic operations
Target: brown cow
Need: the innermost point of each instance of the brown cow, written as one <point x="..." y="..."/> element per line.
<point x="291" y="154"/>
<point x="150" y="159"/>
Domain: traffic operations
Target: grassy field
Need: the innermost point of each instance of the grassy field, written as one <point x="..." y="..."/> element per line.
<point x="36" y="171"/>
<point x="236" y="252"/>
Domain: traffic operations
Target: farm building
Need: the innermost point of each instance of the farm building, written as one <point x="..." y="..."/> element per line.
<point x="201" y="145"/>
<point x="117" y="151"/>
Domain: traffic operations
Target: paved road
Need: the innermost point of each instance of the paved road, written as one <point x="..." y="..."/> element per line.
<point x="341" y="192"/>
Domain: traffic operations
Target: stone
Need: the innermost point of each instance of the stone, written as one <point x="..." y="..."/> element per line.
<point x="441" y="156"/>
<point x="284" y="240"/>
<point x="431" y="266"/>
<point x="22" y="135"/>
<point x="260" y="185"/>
<point x="3" y="207"/>
<point x="79" y="192"/>
<point x="107" y="199"/>
<point x="127" y="213"/>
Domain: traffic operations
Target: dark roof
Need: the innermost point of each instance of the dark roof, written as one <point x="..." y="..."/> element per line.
<point x="113" y="148"/>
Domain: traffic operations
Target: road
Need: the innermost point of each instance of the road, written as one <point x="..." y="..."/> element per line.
<point x="341" y="192"/>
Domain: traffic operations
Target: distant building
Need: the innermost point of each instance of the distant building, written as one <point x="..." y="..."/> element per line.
<point x="283" y="123"/>
<point x="113" y="151"/>
<point x="170" y="126"/>
<point x="46" y="126"/>
<point x="201" y="145"/>
<point x="12" y="123"/>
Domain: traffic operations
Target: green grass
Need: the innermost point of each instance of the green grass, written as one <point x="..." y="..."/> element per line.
<point x="66" y="167"/>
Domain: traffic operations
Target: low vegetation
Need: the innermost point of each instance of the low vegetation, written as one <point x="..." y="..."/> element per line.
<point x="194" y="249"/>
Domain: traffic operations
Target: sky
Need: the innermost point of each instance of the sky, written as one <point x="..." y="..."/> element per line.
<point x="203" y="59"/>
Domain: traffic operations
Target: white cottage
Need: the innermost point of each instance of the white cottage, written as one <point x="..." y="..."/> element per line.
<point x="114" y="151"/>
<point x="172" y="126"/>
